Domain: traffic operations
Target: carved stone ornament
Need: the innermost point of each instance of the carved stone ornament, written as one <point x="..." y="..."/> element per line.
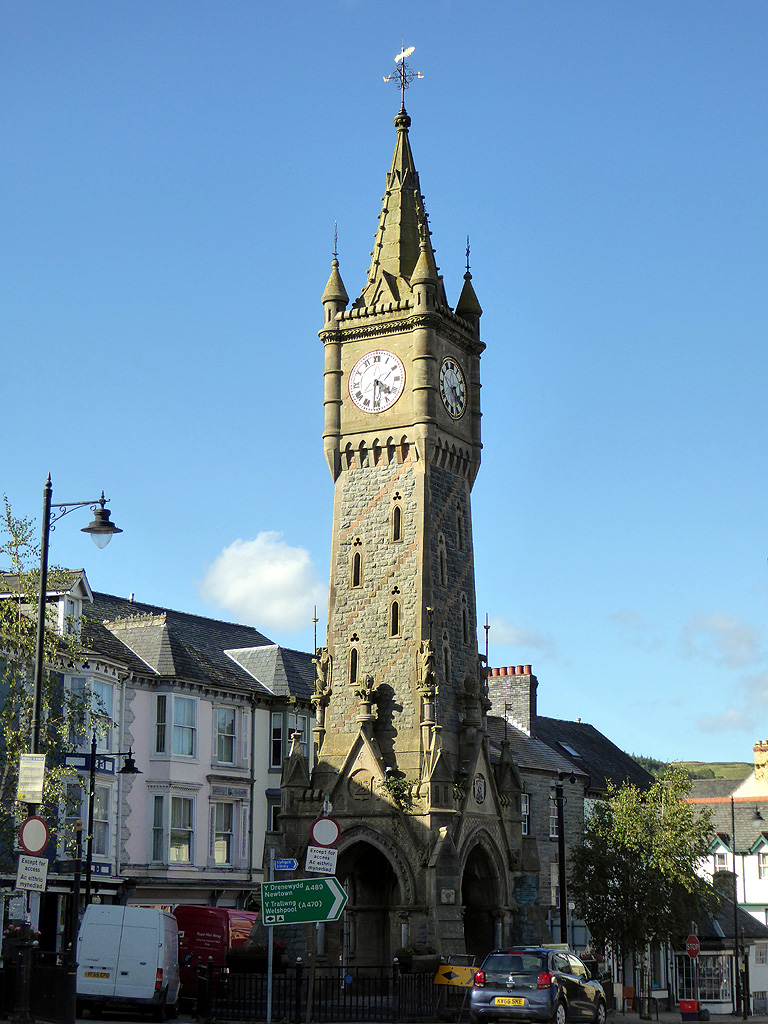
<point x="323" y="671"/>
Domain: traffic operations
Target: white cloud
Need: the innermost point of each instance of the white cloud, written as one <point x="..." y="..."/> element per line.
<point x="637" y="630"/>
<point x="729" y="719"/>
<point x="265" y="582"/>
<point x="721" y="638"/>
<point x="505" y="633"/>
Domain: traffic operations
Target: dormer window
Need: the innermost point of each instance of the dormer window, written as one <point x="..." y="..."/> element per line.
<point x="70" y="615"/>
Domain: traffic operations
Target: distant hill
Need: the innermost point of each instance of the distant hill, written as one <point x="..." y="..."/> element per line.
<point x="697" y="769"/>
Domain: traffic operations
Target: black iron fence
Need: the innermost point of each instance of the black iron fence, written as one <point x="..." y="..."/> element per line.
<point x="321" y="994"/>
<point x="50" y="992"/>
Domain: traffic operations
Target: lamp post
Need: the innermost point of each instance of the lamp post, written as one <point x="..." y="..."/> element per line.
<point x="129" y="768"/>
<point x="561" y="879"/>
<point x="101" y="531"/>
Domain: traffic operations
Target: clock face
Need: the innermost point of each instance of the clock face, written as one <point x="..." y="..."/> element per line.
<point x="453" y="387"/>
<point x="376" y="381"/>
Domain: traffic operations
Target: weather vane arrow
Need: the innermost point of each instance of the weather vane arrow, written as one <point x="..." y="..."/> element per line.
<point x="403" y="75"/>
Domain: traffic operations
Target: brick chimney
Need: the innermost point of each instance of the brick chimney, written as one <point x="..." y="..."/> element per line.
<point x="760" y="750"/>
<point x="514" y="688"/>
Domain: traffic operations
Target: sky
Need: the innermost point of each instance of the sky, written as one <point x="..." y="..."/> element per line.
<point x="171" y="175"/>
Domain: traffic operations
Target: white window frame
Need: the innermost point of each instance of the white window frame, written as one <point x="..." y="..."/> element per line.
<point x="553" y="822"/>
<point x="282" y="724"/>
<point x="162" y="827"/>
<point x="720" y="860"/>
<point x="222" y="736"/>
<point x="173" y="726"/>
<point x="525" y="814"/>
<point x="761" y="954"/>
<point x="762" y="863"/>
<point x="219" y="829"/>
<point x="104" y="689"/>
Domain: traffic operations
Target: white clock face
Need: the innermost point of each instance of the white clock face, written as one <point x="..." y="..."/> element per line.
<point x="453" y="387"/>
<point x="376" y="381"/>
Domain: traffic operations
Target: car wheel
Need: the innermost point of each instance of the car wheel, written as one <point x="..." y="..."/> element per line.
<point x="558" y="1017"/>
<point x="159" y="1013"/>
<point x="600" y="1012"/>
<point x="173" y="1012"/>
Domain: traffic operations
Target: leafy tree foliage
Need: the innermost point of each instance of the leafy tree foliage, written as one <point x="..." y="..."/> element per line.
<point x="62" y="714"/>
<point x="633" y="877"/>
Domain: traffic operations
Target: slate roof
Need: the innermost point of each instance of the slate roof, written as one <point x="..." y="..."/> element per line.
<point x="591" y="753"/>
<point x="528" y="753"/>
<point x="715" y="796"/>
<point x="161" y="642"/>
<point x="283" y="671"/>
<point x="716" y="930"/>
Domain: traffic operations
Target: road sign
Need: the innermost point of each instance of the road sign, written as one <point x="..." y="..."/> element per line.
<point x="286" y="864"/>
<point x="31" y="777"/>
<point x="692" y="946"/>
<point x="32" y="873"/>
<point x="302" y="901"/>
<point x="33" y="835"/>
<point x="325" y="832"/>
<point x="450" y="974"/>
<point x="321" y="860"/>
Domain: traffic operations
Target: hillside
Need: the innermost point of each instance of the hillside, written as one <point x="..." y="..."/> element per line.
<point x="698" y="769"/>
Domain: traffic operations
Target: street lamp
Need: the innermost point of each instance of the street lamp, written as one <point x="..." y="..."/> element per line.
<point x="560" y="801"/>
<point x="129" y="768"/>
<point x="101" y="530"/>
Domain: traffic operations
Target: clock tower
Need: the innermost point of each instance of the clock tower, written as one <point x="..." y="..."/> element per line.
<point x="430" y="829"/>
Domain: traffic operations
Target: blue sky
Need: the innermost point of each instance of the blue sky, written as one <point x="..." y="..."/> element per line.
<point x="171" y="176"/>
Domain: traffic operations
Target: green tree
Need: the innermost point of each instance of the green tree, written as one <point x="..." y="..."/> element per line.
<point x="63" y="713"/>
<point x="633" y="876"/>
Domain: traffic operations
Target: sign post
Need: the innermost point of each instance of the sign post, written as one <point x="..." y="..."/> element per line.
<point x="302" y="901"/>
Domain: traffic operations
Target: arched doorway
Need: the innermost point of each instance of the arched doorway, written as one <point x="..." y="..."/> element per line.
<point x="480" y="897"/>
<point x="373" y="891"/>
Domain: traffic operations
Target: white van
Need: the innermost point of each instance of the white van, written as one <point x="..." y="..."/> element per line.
<point x="128" y="956"/>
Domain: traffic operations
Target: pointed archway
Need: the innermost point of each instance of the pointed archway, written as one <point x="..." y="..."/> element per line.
<point x="480" y="898"/>
<point x="373" y="891"/>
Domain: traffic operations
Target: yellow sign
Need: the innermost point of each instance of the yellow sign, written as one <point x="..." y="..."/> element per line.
<point x="451" y="974"/>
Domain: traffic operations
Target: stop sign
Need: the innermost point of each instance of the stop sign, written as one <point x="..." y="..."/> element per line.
<point x="692" y="946"/>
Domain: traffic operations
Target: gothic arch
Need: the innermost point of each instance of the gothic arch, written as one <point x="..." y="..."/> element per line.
<point x="483" y="892"/>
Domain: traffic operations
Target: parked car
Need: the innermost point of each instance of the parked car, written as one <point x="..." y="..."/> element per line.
<point x="535" y="984"/>
<point x="128" y="957"/>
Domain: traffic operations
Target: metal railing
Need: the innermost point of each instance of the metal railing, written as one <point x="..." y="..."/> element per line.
<point x="317" y="994"/>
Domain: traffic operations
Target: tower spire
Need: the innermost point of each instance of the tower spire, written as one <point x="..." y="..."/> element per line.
<point x="403" y="223"/>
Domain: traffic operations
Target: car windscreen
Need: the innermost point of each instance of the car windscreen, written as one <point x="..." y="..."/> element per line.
<point x="518" y="964"/>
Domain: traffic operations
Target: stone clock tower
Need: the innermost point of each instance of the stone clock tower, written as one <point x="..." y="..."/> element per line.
<point x="430" y="829"/>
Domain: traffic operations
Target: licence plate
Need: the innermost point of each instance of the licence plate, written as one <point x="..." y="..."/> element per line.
<point x="96" y="974"/>
<point x="508" y="1001"/>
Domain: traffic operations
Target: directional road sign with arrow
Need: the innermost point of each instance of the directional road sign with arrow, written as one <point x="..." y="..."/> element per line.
<point x="302" y="901"/>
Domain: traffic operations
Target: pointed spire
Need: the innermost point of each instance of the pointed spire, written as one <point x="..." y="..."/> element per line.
<point x="468" y="306"/>
<point x="403" y="226"/>
<point x="335" y="290"/>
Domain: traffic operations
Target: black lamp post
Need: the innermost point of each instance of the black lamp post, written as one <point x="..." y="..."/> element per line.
<point x="101" y="530"/>
<point x="129" y="768"/>
<point x="560" y="804"/>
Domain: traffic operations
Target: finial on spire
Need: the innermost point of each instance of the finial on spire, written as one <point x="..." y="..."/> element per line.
<point x="336" y="239"/>
<point x="403" y="75"/>
<point x="467" y="253"/>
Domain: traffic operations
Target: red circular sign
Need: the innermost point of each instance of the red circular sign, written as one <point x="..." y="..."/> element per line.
<point x="692" y="946"/>
<point x="34" y="835"/>
<point x="325" y="832"/>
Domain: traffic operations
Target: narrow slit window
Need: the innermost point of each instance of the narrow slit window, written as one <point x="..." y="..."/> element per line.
<point x="394" y="619"/>
<point x="397" y="523"/>
<point x="353" y="665"/>
<point x="357" y="569"/>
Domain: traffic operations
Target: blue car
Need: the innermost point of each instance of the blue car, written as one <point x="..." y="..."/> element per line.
<point x="535" y="984"/>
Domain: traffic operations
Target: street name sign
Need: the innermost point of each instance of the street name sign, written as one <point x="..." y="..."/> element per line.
<point x="321" y="860"/>
<point x="32" y="873"/>
<point x="302" y="901"/>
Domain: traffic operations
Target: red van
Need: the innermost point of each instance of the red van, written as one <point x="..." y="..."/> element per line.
<point x="208" y="932"/>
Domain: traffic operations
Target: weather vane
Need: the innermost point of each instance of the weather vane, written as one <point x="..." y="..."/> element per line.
<point x="402" y="74"/>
